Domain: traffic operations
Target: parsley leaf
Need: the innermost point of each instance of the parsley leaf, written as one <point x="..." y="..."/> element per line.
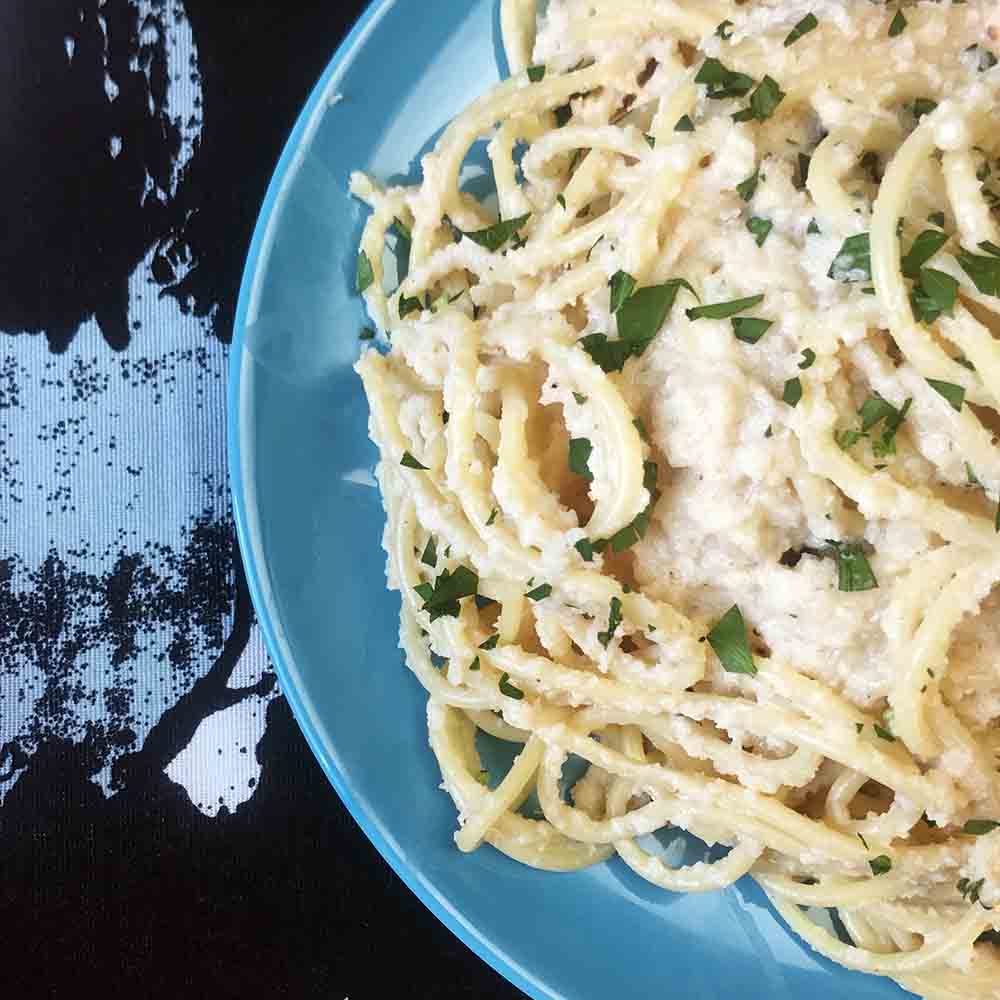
<point x="748" y="188"/>
<point x="808" y="358"/>
<point x="977" y="827"/>
<point x="935" y="293"/>
<point x="608" y="355"/>
<point x="898" y="25"/>
<point x="765" y="99"/>
<point x="580" y="398"/>
<point x="684" y="124"/>
<point x="813" y="227"/>
<point x="760" y="228"/>
<point x="854" y="261"/>
<point x="508" y="689"/>
<point x="622" y="286"/>
<point x="492" y="518"/>
<point x="723" y="310"/>
<point x="874" y="409"/>
<point x="536" y="73"/>
<point x="807" y="24"/>
<point x="729" y="640"/>
<point x="429" y="558"/>
<point x="651" y="139"/>
<point x="880" y="865"/>
<point x="792" y="392"/>
<point x="365" y="273"/>
<point x="641" y="428"/>
<point x="937" y="219"/>
<point x="631" y="533"/>
<point x="804" y="162"/>
<point x="442" y="599"/>
<point x="579" y="457"/>
<point x="924" y="247"/>
<point x="984" y="271"/>
<point x="407" y="306"/>
<point x="750" y="330"/>
<point x="853" y="570"/>
<point x="561" y="200"/>
<point x="491" y="642"/>
<point x="495" y="236"/>
<point x="883" y="734"/>
<point x="722" y="82"/>
<point x="586" y="549"/>
<point x="410" y="462"/>
<point x="644" y="312"/>
<point x="540" y="592"/>
<point x="923" y="106"/>
<point x="847" y="439"/>
<point x="722" y="29"/>
<point x="614" y="620"/>
<point x="990" y="248"/>
<point x="955" y="394"/>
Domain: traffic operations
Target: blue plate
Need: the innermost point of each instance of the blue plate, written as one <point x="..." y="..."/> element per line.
<point x="310" y="526"/>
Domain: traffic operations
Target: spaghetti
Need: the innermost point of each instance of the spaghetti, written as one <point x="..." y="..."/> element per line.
<point x="689" y="457"/>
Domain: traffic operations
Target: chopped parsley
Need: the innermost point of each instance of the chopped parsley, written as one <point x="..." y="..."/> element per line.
<point x="622" y="287"/>
<point x="365" y="273"/>
<point x="722" y="82"/>
<point x="760" y="228"/>
<point x="970" y="890"/>
<point x="491" y="642"/>
<point x="536" y="73"/>
<point x="441" y="599"/>
<point x="854" y="261"/>
<point x="407" y="306"/>
<point x="631" y="533"/>
<point x="614" y="620"/>
<point x="402" y="229"/>
<point x="608" y="355"/>
<point x="875" y="409"/>
<point x="684" y="124"/>
<point x="792" y="393"/>
<point x="748" y="188"/>
<point x="954" y="394"/>
<point x="410" y="462"/>
<point x="884" y="734"/>
<point x="977" y="827"/>
<point x="804" y="162"/>
<point x="586" y="549"/>
<point x="729" y="640"/>
<point x="580" y="398"/>
<point x="880" y="865"/>
<point x="429" y="558"/>
<point x="561" y="200"/>
<point x="540" y="592"/>
<point x="935" y="293"/>
<point x="807" y="24"/>
<point x="898" y="25"/>
<point x="723" y="310"/>
<point x="984" y="271"/>
<point x="990" y="248"/>
<point x="750" y="330"/>
<point x="495" y="236"/>
<point x="847" y="439"/>
<point x="923" y="106"/>
<point x="813" y="227"/>
<point x="644" y="312"/>
<point x="508" y="689"/>
<point x="579" y="457"/>
<point x="936" y="219"/>
<point x="641" y="428"/>
<point x="367" y="334"/>
<point x="765" y="99"/>
<point x="808" y="358"/>
<point x="725" y="30"/>
<point x="854" y="573"/>
<point x="492" y="518"/>
<point x="924" y="247"/>
<point x="474" y="665"/>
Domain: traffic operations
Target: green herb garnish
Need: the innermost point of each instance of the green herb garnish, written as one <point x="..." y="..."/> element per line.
<point x="410" y="462"/>
<point x="854" y="573"/>
<point x="536" y="73"/>
<point x="684" y="124"/>
<point x="924" y="247"/>
<point x="540" y="592"/>
<point x="622" y="287"/>
<point x="441" y="599"/>
<point x="429" y="558"/>
<point x="760" y="228"/>
<point x="898" y="25"/>
<point x="792" y="393"/>
<point x="586" y="549"/>
<point x="723" y="310"/>
<point x="508" y="689"/>
<point x="579" y="457"/>
<point x="367" y="334"/>
<point x="365" y="272"/>
<point x="808" y="358"/>
<point x="748" y="188"/>
<point x="722" y="82"/>
<point x="614" y="620"/>
<point x="807" y="24"/>
<point x="750" y="330"/>
<point x="977" y="827"/>
<point x="935" y="293"/>
<point x="491" y="642"/>
<point x="495" y="236"/>
<point x="880" y="865"/>
<point x="644" y="312"/>
<point x="729" y="640"/>
<point x="954" y="394"/>
<point x="984" y="271"/>
<point x="854" y="261"/>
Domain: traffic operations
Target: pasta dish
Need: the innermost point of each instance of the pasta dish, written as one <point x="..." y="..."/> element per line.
<point x="688" y="443"/>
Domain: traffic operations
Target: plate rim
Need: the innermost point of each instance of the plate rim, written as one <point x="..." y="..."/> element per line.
<point x="256" y="259"/>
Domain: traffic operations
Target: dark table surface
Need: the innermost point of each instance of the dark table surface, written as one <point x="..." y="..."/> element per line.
<point x="163" y="826"/>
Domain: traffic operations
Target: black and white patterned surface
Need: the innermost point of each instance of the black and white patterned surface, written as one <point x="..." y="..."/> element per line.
<point x="162" y="825"/>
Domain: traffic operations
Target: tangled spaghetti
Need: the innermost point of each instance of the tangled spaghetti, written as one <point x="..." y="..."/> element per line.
<point x="690" y="460"/>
